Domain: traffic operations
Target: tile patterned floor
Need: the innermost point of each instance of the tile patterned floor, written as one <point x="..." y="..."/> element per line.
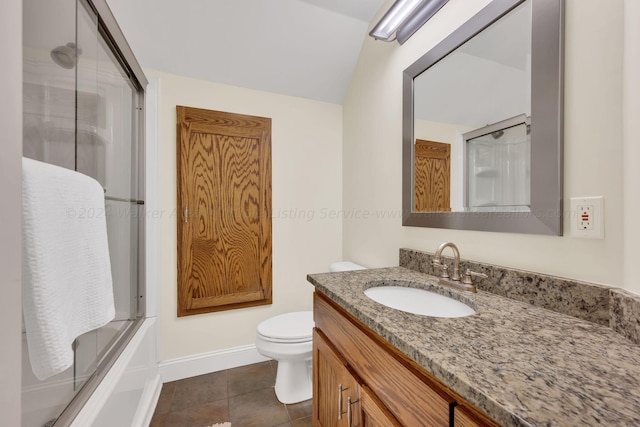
<point x="244" y="396"/>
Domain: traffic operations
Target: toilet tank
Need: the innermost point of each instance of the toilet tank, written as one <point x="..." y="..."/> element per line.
<point x="345" y="266"/>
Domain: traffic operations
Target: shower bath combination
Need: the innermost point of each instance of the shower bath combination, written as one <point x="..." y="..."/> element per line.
<point x="82" y="110"/>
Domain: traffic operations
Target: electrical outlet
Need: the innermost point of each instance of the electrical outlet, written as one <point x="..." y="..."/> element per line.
<point x="587" y="217"/>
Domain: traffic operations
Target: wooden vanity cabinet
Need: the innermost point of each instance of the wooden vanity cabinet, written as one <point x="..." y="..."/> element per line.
<point x="339" y="398"/>
<point x="351" y="363"/>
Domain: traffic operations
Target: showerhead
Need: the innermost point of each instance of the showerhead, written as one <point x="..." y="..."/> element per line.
<point x="497" y="134"/>
<point x="66" y="56"/>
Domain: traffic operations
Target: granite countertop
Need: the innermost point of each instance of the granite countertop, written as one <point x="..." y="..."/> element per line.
<point x="521" y="364"/>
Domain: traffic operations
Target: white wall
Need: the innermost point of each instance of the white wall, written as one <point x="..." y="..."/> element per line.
<point x="593" y="151"/>
<point x="10" y="210"/>
<point x="631" y="129"/>
<point x="306" y="182"/>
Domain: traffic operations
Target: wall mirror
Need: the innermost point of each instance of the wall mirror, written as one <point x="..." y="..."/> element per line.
<point x="482" y="124"/>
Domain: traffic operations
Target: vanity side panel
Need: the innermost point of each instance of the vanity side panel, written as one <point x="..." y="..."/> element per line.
<point x="412" y="397"/>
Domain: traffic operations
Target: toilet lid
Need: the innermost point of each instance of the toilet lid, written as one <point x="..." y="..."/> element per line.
<point x="289" y="326"/>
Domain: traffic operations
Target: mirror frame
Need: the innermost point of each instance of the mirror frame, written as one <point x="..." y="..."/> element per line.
<point x="547" y="72"/>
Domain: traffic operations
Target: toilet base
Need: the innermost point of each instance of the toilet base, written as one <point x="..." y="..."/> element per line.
<point x="293" y="381"/>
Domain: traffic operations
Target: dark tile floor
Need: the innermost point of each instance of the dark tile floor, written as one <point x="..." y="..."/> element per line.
<point x="244" y="396"/>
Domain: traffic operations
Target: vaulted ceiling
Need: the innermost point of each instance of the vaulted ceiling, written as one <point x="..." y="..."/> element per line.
<point x="303" y="48"/>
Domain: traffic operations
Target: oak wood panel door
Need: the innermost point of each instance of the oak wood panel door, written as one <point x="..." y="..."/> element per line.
<point x="224" y="205"/>
<point x="432" y="171"/>
<point x="333" y="387"/>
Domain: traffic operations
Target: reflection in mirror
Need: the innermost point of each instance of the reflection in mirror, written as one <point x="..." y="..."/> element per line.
<point x="482" y="123"/>
<point x="484" y="81"/>
<point x="432" y="166"/>
<point x="498" y="167"/>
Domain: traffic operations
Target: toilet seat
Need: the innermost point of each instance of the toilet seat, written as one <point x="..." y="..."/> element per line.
<point x="288" y="327"/>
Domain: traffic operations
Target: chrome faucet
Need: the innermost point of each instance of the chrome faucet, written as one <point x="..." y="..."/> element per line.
<point x="454" y="281"/>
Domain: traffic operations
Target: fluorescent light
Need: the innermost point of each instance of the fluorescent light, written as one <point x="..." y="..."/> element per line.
<point x="404" y="18"/>
<point x="418" y="19"/>
<point x="391" y="20"/>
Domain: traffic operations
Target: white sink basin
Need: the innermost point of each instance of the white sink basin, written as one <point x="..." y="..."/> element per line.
<point x="418" y="301"/>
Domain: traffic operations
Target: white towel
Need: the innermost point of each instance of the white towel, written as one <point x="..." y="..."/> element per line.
<point x="66" y="285"/>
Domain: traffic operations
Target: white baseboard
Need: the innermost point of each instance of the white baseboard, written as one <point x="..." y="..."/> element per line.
<point x="205" y="363"/>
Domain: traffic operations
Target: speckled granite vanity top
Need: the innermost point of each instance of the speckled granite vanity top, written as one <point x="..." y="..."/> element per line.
<point x="523" y="365"/>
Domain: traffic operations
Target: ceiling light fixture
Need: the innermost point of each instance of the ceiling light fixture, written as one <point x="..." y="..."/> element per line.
<point x="397" y="13"/>
<point x="404" y="18"/>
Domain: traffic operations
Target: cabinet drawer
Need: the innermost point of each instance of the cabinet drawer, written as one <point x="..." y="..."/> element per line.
<point x="414" y="398"/>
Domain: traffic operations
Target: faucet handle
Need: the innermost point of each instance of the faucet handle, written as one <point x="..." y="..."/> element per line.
<point x="444" y="267"/>
<point x="468" y="274"/>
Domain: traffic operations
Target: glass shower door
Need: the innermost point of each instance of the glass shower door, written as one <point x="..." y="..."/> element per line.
<point x="81" y="112"/>
<point x="49" y="103"/>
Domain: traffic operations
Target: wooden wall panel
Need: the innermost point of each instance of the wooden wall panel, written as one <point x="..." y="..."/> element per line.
<point x="432" y="170"/>
<point x="224" y="201"/>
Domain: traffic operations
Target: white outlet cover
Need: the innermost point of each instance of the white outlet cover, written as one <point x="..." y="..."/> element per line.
<point x="595" y="232"/>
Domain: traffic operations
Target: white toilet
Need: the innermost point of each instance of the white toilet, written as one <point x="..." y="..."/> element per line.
<point x="287" y="339"/>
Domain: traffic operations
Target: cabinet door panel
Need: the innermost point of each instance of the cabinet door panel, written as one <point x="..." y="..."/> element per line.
<point x="224" y="200"/>
<point x="333" y="385"/>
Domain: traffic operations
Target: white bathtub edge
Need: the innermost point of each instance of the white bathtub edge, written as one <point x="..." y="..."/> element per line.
<point x="148" y="402"/>
<point x="90" y="411"/>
